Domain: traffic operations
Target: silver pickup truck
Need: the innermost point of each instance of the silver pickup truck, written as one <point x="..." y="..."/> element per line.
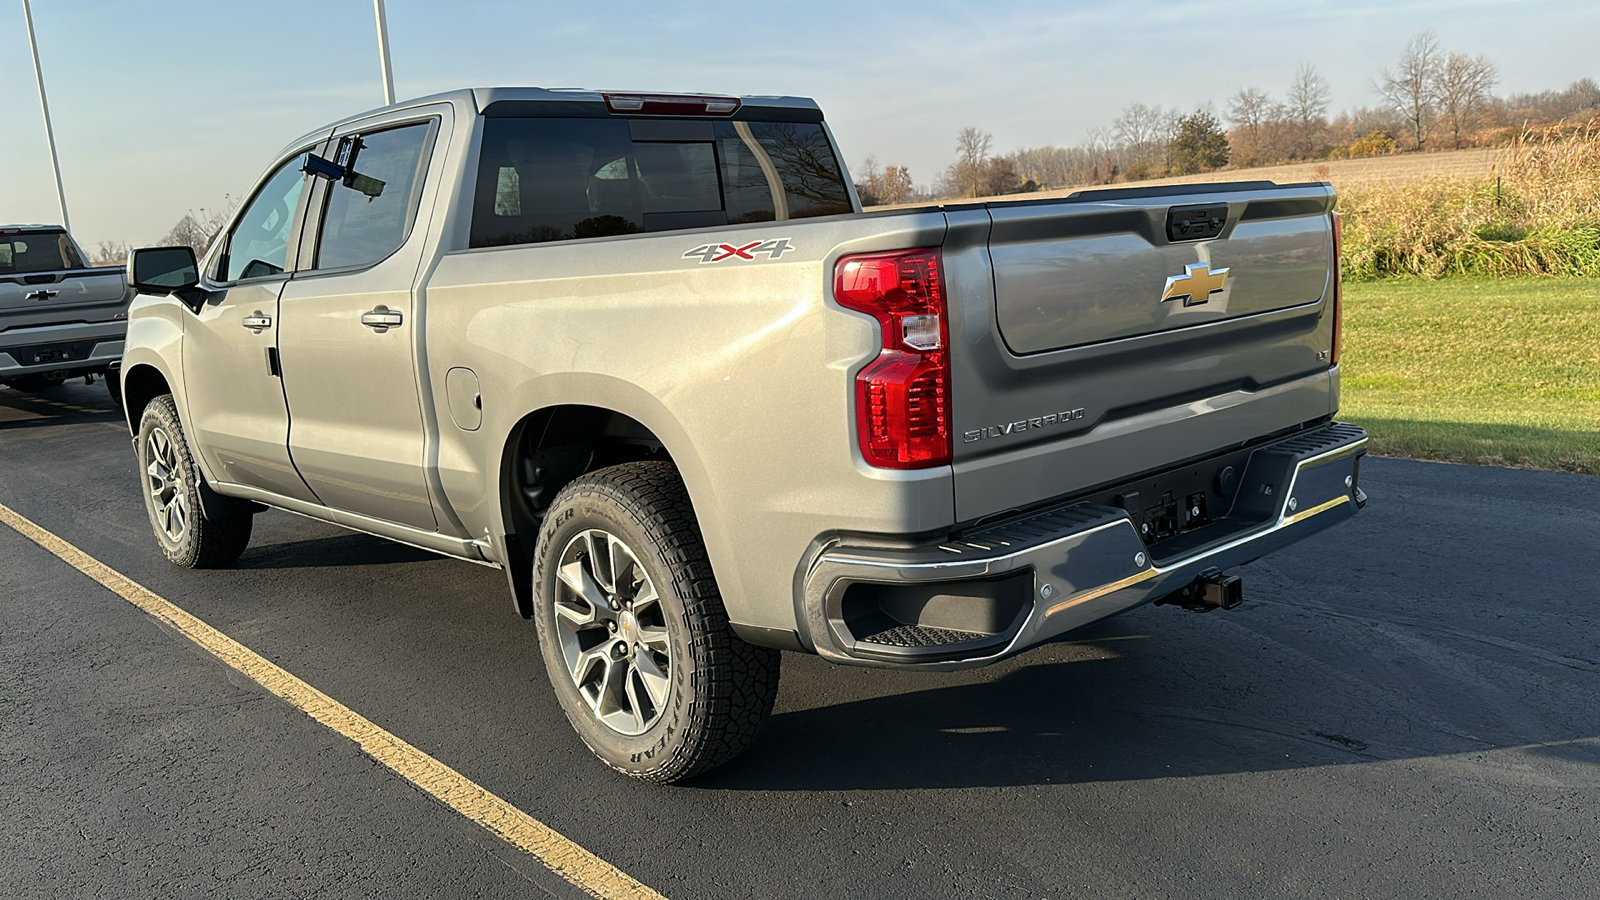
<point x="59" y="318"/>
<point x="647" y="354"/>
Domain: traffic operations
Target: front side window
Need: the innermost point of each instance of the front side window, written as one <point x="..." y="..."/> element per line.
<point x="368" y="211"/>
<point x="258" y="246"/>
<point x="547" y="179"/>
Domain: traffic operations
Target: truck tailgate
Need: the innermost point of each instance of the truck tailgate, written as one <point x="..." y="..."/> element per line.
<point x="77" y="295"/>
<point x="1114" y="333"/>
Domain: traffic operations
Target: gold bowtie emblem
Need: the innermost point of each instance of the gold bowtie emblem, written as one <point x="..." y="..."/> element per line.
<point x="1195" y="285"/>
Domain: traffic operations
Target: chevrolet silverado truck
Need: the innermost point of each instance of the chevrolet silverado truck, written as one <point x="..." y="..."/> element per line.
<point x="59" y="318"/>
<point x="647" y="354"/>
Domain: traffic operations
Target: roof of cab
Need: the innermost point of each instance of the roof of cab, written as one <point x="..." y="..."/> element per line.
<point x="534" y="101"/>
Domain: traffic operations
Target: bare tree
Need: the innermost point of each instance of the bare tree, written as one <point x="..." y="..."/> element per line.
<point x="110" y="253"/>
<point x="198" y="228"/>
<point x="1462" y="89"/>
<point x="1248" y="111"/>
<point x="1144" y="130"/>
<point x="1410" y="86"/>
<point x="870" y="187"/>
<point x="972" y="151"/>
<point x="1308" y="98"/>
<point x="896" y="186"/>
<point x="1307" y="112"/>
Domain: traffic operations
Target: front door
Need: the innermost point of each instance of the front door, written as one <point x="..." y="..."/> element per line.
<point x="237" y="417"/>
<point x="349" y="330"/>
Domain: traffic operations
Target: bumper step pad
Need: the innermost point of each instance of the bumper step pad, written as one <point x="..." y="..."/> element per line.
<point x="922" y="636"/>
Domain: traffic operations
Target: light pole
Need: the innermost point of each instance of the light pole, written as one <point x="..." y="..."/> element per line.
<point x="383" y="52"/>
<point x="49" y="132"/>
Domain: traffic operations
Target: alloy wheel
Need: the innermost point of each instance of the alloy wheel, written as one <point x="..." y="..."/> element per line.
<point x="169" y="501"/>
<point x="613" y="632"/>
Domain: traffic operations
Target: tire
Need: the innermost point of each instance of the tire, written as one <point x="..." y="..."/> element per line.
<point x="171" y="487"/>
<point x="114" y="388"/>
<point x="690" y="695"/>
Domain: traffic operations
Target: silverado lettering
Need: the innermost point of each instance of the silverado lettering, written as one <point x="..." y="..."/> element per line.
<point x="1036" y="422"/>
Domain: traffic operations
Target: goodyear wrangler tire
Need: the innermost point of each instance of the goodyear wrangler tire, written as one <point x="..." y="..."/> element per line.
<point x="171" y="487"/>
<point x="633" y="631"/>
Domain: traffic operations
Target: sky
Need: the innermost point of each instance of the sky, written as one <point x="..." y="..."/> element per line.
<point x="165" y="106"/>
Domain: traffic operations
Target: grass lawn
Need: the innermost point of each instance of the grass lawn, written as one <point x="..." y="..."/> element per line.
<point x="1496" y="372"/>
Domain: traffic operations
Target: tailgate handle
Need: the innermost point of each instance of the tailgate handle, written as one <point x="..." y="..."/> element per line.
<point x="257" y="321"/>
<point x="1196" y="223"/>
<point x="381" y="319"/>
<point x="42" y="295"/>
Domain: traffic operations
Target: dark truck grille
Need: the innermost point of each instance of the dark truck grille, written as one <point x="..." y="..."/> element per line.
<point x="40" y="354"/>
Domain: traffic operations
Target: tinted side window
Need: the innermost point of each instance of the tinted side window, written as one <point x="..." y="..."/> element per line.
<point x="367" y="213"/>
<point x="806" y="168"/>
<point x="561" y="179"/>
<point x="259" y="242"/>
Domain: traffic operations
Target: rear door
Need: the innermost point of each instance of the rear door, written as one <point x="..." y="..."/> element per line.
<point x="1121" y="332"/>
<point x="237" y="415"/>
<point x="349" y="322"/>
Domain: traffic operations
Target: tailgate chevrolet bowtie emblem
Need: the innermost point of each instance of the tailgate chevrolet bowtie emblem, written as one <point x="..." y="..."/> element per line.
<point x="1195" y="285"/>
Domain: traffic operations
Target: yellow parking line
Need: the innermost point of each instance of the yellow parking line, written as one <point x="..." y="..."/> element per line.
<point x="577" y="865"/>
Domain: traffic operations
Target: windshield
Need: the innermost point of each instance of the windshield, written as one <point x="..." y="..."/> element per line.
<point x="42" y="251"/>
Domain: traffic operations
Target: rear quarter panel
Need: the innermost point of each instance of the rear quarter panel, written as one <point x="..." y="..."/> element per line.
<point x="744" y="369"/>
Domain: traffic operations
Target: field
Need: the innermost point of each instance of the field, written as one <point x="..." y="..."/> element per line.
<point x="1346" y="174"/>
<point x="1499" y="372"/>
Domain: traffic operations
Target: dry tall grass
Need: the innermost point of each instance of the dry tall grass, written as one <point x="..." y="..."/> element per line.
<point x="1537" y="213"/>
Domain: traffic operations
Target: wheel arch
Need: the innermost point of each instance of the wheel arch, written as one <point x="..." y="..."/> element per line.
<point x="586" y="425"/>
<point x="141" y="383"/>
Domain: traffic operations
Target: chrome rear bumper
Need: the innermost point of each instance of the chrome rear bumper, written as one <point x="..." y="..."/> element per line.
<point x="1072" y="565"/>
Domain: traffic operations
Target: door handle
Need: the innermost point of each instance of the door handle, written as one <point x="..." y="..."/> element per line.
<point x="257" y="321"/>
<point x="43" y="295"/>
<point x="381" y="319"/>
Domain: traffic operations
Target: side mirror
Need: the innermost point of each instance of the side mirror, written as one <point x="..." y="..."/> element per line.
<point x="162" y="270"/>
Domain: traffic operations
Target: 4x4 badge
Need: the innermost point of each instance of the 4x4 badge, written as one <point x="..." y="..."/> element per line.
<point x="1196" y="285"/>
<point x="714" y="253"/>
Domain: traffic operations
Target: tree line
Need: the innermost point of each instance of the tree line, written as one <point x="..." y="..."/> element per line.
<point x="1429" y="99"/>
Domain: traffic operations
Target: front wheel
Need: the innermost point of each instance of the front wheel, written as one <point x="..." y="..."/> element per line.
<point x="171" y="480"/>
<point x="633" y="631"/>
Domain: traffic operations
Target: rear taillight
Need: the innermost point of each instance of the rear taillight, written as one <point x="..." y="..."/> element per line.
<point x="903" y="396"/>
<point x="671" y="104"/>
<point x="1338" y="290"/>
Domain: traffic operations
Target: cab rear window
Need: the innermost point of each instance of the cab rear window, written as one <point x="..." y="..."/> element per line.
<point x="551" y="179"/>
<point x="39" y="251"/>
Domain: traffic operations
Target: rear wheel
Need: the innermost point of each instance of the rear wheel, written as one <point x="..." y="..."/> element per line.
<point x="633" y="631"/>
<point x="171" y="480"/>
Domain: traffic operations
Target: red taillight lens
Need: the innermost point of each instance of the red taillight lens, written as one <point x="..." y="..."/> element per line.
<point x="1338" y="289"/>
<point x="902" y="397"/>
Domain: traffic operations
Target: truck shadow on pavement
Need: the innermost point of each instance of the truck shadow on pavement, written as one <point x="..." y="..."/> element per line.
<point x="1143" y="700"/>
<point x="56" y="406"/>
<point x="337" y="549"/>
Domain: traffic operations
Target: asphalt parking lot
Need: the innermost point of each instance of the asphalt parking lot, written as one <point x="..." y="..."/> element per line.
<point x="1408" y="705"/>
